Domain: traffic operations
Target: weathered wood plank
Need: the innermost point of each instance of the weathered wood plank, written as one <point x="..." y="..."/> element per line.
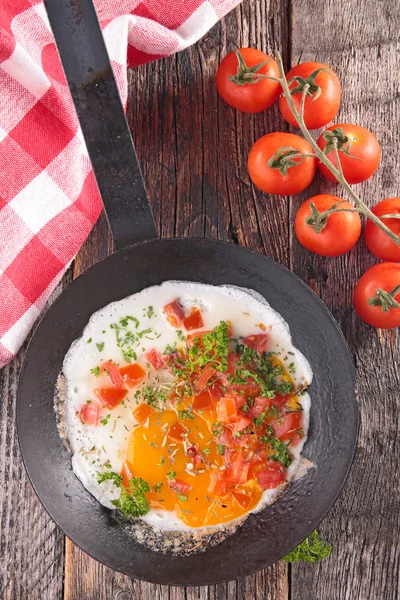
<point x="184" y="134"/>
<point x="359" y="39"/>
<point x="31" y="546"/>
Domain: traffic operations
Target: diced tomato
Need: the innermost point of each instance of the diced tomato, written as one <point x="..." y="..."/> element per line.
<point x="225" y="439"/>
<point x="155" y="359"/>
<point x="142" y="412"/>
<point x="286" y="423"/>
<point x="243" y="500"/>
<point x="239" y="401"/>
<point x="259" y="458"/>
<point x="241" y="424"/>
<point x="132" y="374"/>
<point x="177" y="432"/>
<point x="205" y="377"/>
<point x="243" y="440"/>
<point x="260" y="406"/>
<point x="238" y="469"/>
<point x="127" y="473"/>
<point x="194" y="454"/>
<point x="175" y="313"/>
<point x="181" y="486"/>
<point x="195" y="338"/>
<point x="194" y="320"/>
<point x="218" y="484"/>
<point x="112" y="370"/>
<point x="257" y="341"/>
<point x="226" y="410"/>
<point x="295" y="437"/>
<point x="271" y="476"/>
<point x="89" y="413"/>
<point x="110" y="397"/>
<point x="202" y="401"/>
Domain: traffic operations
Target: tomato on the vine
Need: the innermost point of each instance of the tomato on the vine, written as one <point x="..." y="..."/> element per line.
<point x="281" y="163"/>
<point x="377" y="240"/>
<point x="241" y="80"/>
<point x="323" y="233"/>
<point x="377" y="296"/>
<point x="323" y="97"/>
<point x="359" y="151"/>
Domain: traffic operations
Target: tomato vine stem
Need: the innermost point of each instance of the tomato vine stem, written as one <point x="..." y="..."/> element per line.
<point x="361" y="207"/>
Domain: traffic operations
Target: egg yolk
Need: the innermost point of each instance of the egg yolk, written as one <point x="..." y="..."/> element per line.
<point x="156" y="454"/>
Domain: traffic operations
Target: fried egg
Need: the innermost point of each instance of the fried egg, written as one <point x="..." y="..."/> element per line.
<point x="130" y="410"/>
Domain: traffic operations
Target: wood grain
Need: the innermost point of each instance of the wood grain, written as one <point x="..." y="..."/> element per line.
<point x="193" y="149"/>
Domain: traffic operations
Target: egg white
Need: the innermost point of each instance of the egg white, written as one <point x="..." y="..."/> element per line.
<point x="94" y="447"/>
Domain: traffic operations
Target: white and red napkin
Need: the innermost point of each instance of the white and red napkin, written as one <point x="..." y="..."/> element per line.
<point x="49" y="200"/>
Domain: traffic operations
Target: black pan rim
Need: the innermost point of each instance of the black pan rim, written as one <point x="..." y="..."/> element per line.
<point x="351" y="454"/>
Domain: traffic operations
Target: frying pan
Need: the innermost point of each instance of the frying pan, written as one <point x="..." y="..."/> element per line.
<point x="141" y="261"/>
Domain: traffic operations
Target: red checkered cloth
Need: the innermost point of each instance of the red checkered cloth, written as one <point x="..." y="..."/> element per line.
<point x="49" y="200"/>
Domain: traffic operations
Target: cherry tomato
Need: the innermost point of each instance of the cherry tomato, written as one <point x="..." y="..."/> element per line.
<point x="281" y="179"/>
<point x="357" y="141"/>
<point x="249" y="95"/>
<point x="377" y="296"/>
<point x="377" y="240"/>
<point x="340" y="233"/>
<point x="323" y="100"/>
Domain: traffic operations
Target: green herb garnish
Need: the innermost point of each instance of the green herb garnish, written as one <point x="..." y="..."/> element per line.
<point x="105" y="420"/>
<point x="132" y="501"/>
<point x="220" y="449"/>
<point x="171" y="475"/>
<point x="157" y="487"/>
<point x="100" y="346"/>
<point x="95" y="371"/>
<point x="312" y="549"/>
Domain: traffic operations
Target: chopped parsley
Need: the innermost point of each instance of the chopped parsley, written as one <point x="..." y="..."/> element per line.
<point x="182" y="497"/>
<point x="220" y="449"/>
<point x="312" y="549"/>
<point x="162" y="462"/>
<point x="150" y="312"/>
<point x="282" y="450"/>
<point x="181" y="335"/>
<point x="100" y="346"/>
<point x="182" y="414"/>
<point x="105" y="420"/>
<point x="89" y="340"/>
<point x="206" y="450"/>
<point x="95" y="371"/>
<point x="157" y="487"/>
<point x="128" y="338"/>
<point x="132" y="501"/>
<point x="171" y="475"/>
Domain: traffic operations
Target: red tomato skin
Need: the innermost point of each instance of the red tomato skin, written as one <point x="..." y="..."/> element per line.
<point x="257" y="341"/>
<point x="226" y="410"/>
<point x="377" y="241"/>
<point x="251" y="97"/>
<point x="110" y="397"/>
<point x="286" y="423"/>
<point x="225" y="438"/>
<point x="89" y="414"/>
<point x="113" y="372"/>
<point x="270" y="477"/>
<point x="320" y="111"/>
<point x="364" y="147"/>
<point x="155" y="359"/>
<point x="205" y="376"/>
<point x="385" y="276"/>
<point x="339" y="235"/>
<point x="132" y="374"/>
<point x="127" y="474"/>
<point x="175" y="313"/>
<point x="270" y="180"/>
<point x="193" y="321"/>
<point x="181" y="486"/>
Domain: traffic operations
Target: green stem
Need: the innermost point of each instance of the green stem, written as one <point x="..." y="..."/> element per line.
<point x="337" y="172"/>
<point x="386" y="300"/>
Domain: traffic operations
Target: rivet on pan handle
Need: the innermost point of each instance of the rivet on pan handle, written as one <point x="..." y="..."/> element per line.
<point x="95" y="94"/>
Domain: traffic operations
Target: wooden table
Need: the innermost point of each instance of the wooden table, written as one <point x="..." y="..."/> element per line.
<point x="193" y="149"/>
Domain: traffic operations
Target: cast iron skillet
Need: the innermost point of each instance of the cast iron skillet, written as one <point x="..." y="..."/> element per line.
<point x="266" y="536"/>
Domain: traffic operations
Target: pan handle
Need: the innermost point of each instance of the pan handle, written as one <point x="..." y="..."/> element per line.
<point x="108" y="140"/>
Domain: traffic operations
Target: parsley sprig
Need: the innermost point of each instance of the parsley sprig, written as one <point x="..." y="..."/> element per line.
<point x="312" y="549"/>
<point x="132" y="501"/>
